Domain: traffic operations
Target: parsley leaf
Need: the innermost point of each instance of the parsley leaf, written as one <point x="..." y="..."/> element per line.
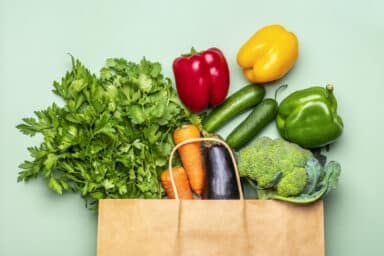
<point x="113" y="135"/>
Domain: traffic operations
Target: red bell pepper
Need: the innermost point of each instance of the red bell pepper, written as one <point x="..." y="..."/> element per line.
<point x="202" y="78"/>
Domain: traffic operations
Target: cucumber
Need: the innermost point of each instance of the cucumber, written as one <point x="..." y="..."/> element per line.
<point x="243" y="99"/>
<point x="263" y="114"/>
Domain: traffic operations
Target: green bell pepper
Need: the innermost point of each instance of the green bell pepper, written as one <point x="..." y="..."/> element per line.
<point x="308" y="117"/>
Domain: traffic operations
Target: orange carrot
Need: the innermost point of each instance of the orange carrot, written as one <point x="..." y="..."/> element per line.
<point x="181" y="182"/>
<point x="191" y="157"/>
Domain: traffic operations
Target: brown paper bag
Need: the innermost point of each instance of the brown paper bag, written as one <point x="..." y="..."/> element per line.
<point x="209" y="227"/>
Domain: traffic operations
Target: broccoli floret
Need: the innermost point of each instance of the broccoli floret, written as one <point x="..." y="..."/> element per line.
<point x="324" y="180"/>
<point x="291" y="152"/>
<point x="293" y="183"/>
<point x="263" y="143"/>
<point x="265" y="159"/>
<point x="259" y="167"/>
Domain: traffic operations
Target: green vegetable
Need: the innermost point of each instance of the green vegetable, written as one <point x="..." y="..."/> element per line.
<point x="235" y="104"/>
<point x="309" y="117"/>
<point x="327" y="180"/>
<point x="112" y="136"/>
<point x="259" y="118"/>
<point x="285" y="171"/>
<point x="264" y="159"/>
<point x="263" y="114"/>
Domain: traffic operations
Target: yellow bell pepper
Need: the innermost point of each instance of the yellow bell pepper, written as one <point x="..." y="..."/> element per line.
<point x="269" y="54"/>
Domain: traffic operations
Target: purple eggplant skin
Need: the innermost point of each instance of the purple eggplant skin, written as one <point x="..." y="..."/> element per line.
<point x="220" y="174"/>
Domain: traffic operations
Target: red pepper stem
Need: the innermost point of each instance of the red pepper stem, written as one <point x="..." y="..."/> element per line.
<point x="192" y="52"/>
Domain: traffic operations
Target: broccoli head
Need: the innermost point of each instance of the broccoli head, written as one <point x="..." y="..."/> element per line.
<point x="275" y="163"/>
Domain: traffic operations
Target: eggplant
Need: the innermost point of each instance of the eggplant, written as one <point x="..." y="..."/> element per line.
<point x="220" y="173"/>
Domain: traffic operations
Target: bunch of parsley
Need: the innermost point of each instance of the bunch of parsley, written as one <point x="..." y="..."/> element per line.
<point x="112" y="136"/>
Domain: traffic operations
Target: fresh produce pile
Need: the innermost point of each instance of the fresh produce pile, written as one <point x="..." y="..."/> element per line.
<point x="113" y="135"/>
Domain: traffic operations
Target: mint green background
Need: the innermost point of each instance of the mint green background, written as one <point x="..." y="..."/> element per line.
<point x="340" y="42"/>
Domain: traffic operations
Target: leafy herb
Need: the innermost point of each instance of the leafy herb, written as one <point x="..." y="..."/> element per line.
<point x="112" y="137"/>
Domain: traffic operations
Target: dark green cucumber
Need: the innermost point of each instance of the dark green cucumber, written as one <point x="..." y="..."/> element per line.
<point x="260" y="117"/>
<point x="235" y="104"/>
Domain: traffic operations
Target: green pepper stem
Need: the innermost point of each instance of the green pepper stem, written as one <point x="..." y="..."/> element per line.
<point x="329" y="87"/>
